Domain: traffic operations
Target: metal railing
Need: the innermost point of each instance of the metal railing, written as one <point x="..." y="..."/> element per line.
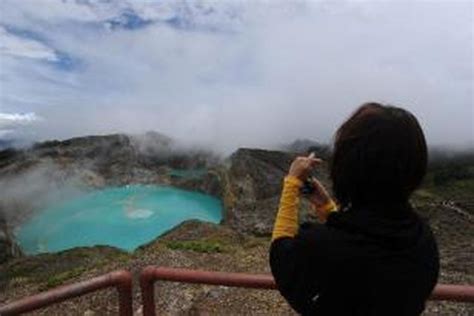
<point x="151" y="274"/>
<point x="121" y="280"/>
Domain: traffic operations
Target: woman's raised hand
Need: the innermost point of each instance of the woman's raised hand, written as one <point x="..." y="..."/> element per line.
<point x="301" y="167"/>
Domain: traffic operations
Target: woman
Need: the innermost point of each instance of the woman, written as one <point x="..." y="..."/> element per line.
<point x="373" y="255"/>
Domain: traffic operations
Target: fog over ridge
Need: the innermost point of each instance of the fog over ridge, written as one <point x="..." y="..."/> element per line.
<point x="232" y="73"/>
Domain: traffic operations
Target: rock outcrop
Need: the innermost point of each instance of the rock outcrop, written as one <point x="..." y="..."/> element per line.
<point x="253" y="186"/>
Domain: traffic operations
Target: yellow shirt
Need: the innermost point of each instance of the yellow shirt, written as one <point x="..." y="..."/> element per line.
<point x="286" y="222"/>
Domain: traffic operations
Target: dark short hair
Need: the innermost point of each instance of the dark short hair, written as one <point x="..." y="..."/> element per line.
<point x="380" y="156"/>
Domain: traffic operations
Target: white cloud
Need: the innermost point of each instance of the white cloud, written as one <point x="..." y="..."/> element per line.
<point x="13" y="124"/>
<point x="27" y="12"/>
<point x="12" y="120"/>
<point x="286" y="69"/>
<point x="22" y="47"/>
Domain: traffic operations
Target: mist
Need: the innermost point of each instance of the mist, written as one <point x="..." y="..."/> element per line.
<point x="233" y="73"/>
<point x="25" y="191"/>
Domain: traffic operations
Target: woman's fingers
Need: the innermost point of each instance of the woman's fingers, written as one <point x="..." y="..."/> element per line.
<point x="315" y="161"/>
<point x="316" y="182"/>
<point x="319" y="187"/>
<point x="301" y="166"/>
<point x="320" y="196"/>
<point x="310" y="159"/>
<point x="311" y="162"/>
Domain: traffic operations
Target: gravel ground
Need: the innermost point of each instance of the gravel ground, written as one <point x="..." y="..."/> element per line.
<point x="235" y="253"/>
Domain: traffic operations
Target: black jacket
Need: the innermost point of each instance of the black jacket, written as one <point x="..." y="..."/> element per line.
<point x="358" y="263"/>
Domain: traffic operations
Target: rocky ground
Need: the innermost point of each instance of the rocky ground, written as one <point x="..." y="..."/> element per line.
<point x="248" y="183"/>
<point x="197" y="245"/>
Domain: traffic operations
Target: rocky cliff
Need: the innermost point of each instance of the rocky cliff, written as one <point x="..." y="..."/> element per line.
<point x="253" y="185"/>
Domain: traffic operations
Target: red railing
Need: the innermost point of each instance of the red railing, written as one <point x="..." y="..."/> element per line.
<point x="151" y="274"/>
<point x="121" y="280"/>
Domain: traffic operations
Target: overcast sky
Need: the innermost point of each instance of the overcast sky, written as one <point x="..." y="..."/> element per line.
<point x="232" y="73"/>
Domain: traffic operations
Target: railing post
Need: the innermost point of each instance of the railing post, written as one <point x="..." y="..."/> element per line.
<point x="125" y="294"/>
<point x="147" y="284"/>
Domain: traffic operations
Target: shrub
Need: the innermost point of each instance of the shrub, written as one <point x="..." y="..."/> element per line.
<point x="197" y="245"/>
<point x="59" y="279"/>
<point x="450" y="173"/>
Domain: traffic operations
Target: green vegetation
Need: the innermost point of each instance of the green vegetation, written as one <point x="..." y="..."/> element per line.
<point x="450" y="176"/>
<point x="51" y="270"/>
<point x="25" y="270"/>
<point x="447" y="166"/>
<point x="451" y="173"/>
<point x="456" y="190"/>
<point x="204" y="246"/>
<point x="61" y="278"/>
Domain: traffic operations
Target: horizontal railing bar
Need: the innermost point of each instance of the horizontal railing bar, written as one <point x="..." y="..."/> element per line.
<point x="151" y="274"/>
<point x="256" y="281"/>
<point x="122" y="280"/>
<point x="451" y="292"/>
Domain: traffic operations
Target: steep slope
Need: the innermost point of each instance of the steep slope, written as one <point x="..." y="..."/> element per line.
<point x="254" y="181"/>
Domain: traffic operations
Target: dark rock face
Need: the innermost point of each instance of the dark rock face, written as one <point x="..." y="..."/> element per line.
<point x="265" y="168"/>
<point x="208" y="183"/>
<point x="118" y="159"/>
<point x="254" y="183"/>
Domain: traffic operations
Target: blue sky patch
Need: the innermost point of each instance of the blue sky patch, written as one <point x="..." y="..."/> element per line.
<point x="67" y="62"/>
<point x="24" y="33"/>
<point x="127" y="20"/>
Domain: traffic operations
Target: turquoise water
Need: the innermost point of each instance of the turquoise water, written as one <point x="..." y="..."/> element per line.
<point x="123" y="217"/>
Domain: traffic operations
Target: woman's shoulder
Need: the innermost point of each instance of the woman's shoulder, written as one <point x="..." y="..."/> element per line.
<point x="309" y="234"/>
<point x="321" y="236"/>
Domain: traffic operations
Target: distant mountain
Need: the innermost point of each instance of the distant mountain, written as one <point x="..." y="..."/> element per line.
<point x="306" y="146"/>
<point x="6" y="143"/>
